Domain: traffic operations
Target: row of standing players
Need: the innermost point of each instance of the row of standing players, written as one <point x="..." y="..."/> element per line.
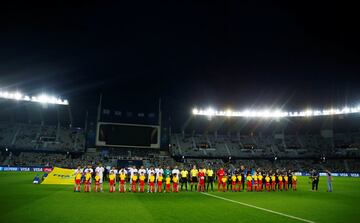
<point x="159" y="180"/>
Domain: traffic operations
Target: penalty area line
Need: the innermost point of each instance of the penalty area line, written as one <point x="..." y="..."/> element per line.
<point x="259" y="208"/>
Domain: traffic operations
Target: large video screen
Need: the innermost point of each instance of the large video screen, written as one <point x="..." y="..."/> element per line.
<point x="127" y="135"/>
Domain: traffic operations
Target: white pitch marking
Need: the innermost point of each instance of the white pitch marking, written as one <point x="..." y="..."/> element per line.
<point x="256" y="207"/>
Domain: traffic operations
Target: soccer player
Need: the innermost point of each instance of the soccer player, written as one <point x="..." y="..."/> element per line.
<point x="194" y="180"/>
<point x="134" y="179"/>
<point x="142" y="171"/>
<point x="87" y="181"/>
<point x="150" y="172"/>
<point x="112" y="181"/>
<point x="294" y="181"/>
<point x="290" y="175"/>
<point x="122" y="179"/>
<point x="152" y="182"/>
<point x="249" y="182"/>
<point x="223" y="182"/>
<point x="184" y="176"/>
<point x="175" y="181"/>
<point x="239" y="179"/>
<point x="167" y="183"/>
<point x="220" y="173"/>
<point x="233" y="183"/>
<point x="89" y="170"/>
<point x="133" y="171"/>
<point x="115" y="172"/>
<point x="78" y="175"/>
<point x="100" y="169"/>
<point x="167" y="173"/>
<point x="255" y="177"/>
<point x="280" y="179"/>
<point x="141" y="182"/>
<point x="260" y="182"/>
<point x="97" y="182"/>
<point x="286" y="181"/>
<point x="159" y="180"/>
<point x="228" y="185"/>
<point x="201" y="185"/>
<point x="267" y="183"/>
<point x="273" y="181"/>
<point x="210" y="179"/>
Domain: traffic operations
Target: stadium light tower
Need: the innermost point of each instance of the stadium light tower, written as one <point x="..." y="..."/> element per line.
<point x="274" y="113"/>
<point x="42" y="98"/>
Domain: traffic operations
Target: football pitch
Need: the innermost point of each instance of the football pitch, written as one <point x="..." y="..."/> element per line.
<point x="21" y="201"/>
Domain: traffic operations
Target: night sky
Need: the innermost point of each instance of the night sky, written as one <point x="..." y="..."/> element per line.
<point x="226" y="54"/>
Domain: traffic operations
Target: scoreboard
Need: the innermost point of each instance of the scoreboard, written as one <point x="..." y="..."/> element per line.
<point x="127" y="135"/>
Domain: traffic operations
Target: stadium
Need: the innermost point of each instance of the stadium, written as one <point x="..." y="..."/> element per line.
<point x="108" y="116"/>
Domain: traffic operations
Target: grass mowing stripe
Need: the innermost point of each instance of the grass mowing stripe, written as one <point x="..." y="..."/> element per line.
<point x="256" y="207"/>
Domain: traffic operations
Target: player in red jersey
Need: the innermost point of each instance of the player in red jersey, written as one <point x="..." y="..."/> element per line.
<point x="201" y="185"/>
<point x="220" y="173"/>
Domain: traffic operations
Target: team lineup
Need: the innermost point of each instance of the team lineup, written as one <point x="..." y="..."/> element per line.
<point x="175" y="180"/>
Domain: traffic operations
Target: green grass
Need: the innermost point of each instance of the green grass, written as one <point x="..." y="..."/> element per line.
<point x="22" y="201"/>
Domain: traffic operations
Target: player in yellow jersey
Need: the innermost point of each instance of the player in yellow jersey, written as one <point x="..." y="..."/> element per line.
<point x="78" y="176"/>
<point x="210" y="179"/>
<point x="233" y="183"/>
<point x="122" y="179"/>
<point x="134" y="179"/>
<point x="267" y="182"/>
<point x="167" y="184"/>
<point x="294" y="182"/>
<point x="152" y="183"/>
<point x="175" y="181"/>
<point x="184" y="178"/>
<point x="160" y="179"/>
<point x="260" y="182"/>
<point x="280" y="179"/>
<point x="239" y="180"/>
<point x="223" y="182"/>
<point x="87" y="181"/>
<point x="97" y="182"/>
<point x="273" y="181"/>
<point x="194" y="180"/>
<point x="286" y="182"/>
<point x="112" y="181"/>
<point x="249" y="182"/>
<point x="141" y="183"/>
<point x="255" y="178"/>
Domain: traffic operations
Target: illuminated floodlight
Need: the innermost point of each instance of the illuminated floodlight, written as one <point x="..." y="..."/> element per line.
<point x="43" y="98"/>
<point x="275" y="113"/>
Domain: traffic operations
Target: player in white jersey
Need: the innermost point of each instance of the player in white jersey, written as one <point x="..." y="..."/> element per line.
<point x="100" y="169"/>
<point x="142" y="170"/>
<point x="159" y="171"/>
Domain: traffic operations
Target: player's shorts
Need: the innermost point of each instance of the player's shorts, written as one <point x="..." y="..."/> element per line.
<point x="78" y="181"/>
<point x="151" y="184"/>
<point x="122" y="181"/>
<point x="111" y="182"/>
<point x="159" y="184"/>
<point x="167" y="185"/>
<point x="202" y="182"/>
<point x="142" y="184"/>
<point x="233" y="182"/>
<point x="183" y="179"/>
<point x="97" y="183"/>
<point x="210" y="179"/>
<point x="194" y="180"/>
